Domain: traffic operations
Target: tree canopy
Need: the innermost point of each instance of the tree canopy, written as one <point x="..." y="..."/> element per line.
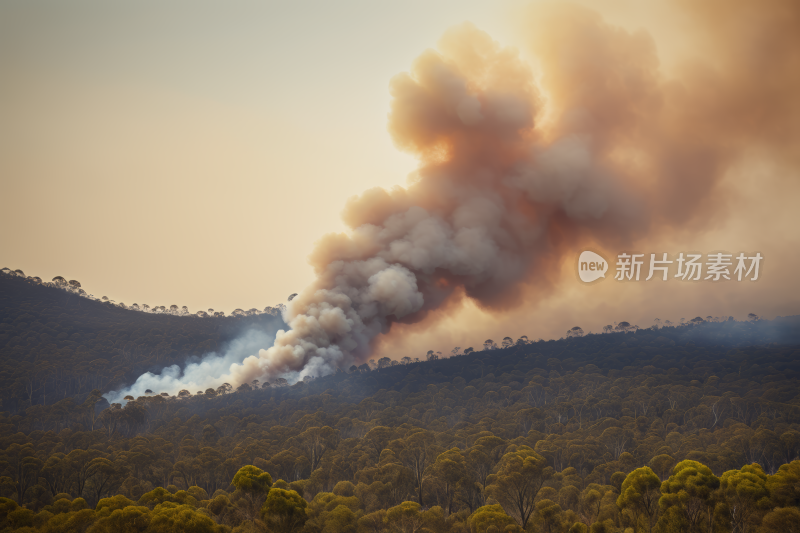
<point x="674" y="428"/>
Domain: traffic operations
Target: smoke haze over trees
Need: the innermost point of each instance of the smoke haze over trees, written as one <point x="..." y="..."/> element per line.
<point x="119" y="418"/>
<point x="600" y="431"/>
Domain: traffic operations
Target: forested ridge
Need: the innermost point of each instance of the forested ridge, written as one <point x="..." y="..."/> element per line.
<point x="55" y="344"/>
<point x="691" y="428"/>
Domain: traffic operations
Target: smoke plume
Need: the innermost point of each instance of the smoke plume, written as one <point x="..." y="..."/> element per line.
<point x="591" y="143"/>
<point x="199" y="375"/>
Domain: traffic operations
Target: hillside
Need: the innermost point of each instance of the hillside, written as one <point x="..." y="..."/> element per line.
<point x="55" y="343"/>
<point x="442" y="445"/>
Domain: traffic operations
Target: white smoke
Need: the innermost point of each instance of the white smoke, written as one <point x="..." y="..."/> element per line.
<point x="211" y="371"/>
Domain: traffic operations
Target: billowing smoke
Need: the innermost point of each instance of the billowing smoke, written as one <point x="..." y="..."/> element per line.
<point x="520" y="161"/>
<point x="199" y="375"/>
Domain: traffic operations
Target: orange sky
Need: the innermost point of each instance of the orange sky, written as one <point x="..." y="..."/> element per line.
<point x="192" y="153"/>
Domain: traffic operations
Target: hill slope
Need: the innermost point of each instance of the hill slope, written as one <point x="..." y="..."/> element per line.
<point x="55" y="344"/>
<point x="586" y="415"/>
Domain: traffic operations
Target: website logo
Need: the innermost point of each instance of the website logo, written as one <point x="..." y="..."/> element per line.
<point x="718" y="266"/>
<point x="591" y="267"/>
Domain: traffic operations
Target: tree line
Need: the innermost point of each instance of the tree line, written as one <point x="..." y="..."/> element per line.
<point x="656" y="430"/>
<point x="523" y="493"/>
<point x="691" y="428"/>
<point x="56" y="345"/>
<point x="74" y="286"/>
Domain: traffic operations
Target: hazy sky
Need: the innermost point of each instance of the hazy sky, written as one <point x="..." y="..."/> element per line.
<point x="191" y="153"/>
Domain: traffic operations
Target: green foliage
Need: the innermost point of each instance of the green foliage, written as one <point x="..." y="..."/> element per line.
<point x="746" y="495"/>
<point x="606" y="526"/>
<point x="521" y="475"/>
<point x="198" y="493"/>
<point x="782" y="520"/>
<point x="170" y="517"/>
<point x="784" y="486"/>
<point x="690" y="492"/>
<point x="617" y="478"/>
<point x="7" y="506"/>
<point x="284" y="511"/>
<point x="128" y="519"/>
<point x="20" y="518"/>
<point x="329" y="513"/>
<point x="550" y="515"/>
<point x="576" y="435"/>
<point x="579" y="527"/>
<point x="409" y="517"/>
<point x="639" y="496"/>
<point x="108" y="505"/>
<point x="219" y="504"/>
<point x="252" y="479"/>
<point x="71" y="522"/>
<point x="160" y="495"/>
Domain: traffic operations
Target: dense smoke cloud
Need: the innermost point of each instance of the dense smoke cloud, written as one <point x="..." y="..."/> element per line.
<point x="519" y="163"/>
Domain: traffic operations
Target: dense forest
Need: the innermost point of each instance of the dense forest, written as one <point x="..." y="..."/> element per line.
<point x="692" y="428"/>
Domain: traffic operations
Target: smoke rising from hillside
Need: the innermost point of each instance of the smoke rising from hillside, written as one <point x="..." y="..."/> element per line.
<point x="199" y="375"/>
<point x="520" y="164"/>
